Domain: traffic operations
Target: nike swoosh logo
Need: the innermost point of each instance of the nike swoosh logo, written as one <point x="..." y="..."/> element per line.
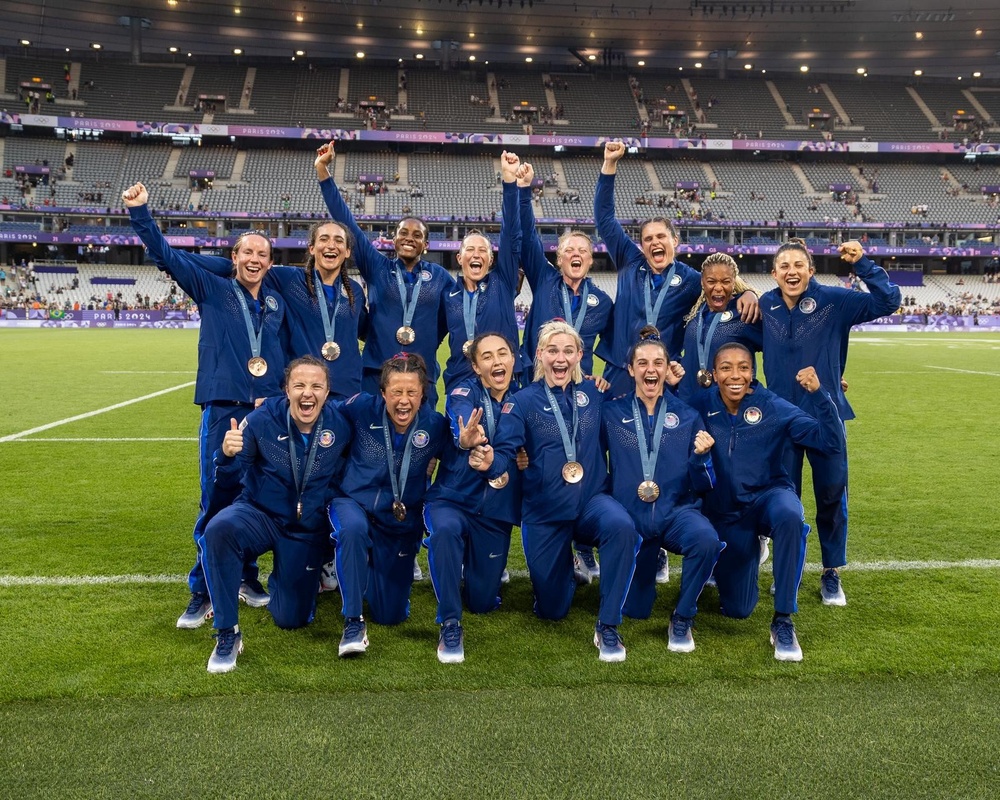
<point x="712" y="413"/>
<point x="777" y="306"/>
<point x="404" y="555"/>
<point x="310" y="569"/>
<point x="282" y="438"/>
<point x="495" y="555"/>
<point x="375" y="427"/>
<point x="455" y="294"/>
<point x="546" y="408"/>
<point x="627" y="421"/>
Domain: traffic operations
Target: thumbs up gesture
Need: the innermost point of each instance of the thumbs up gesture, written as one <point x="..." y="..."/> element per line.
<point x="233" y="441"/>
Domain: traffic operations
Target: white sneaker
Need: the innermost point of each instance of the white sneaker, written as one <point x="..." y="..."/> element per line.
<point x="830" y="589"/>
<point x="662" y="567"/>
<point x="418" y="574"/>
<point x="764" y="549"/>
<point x="328" y="581"/>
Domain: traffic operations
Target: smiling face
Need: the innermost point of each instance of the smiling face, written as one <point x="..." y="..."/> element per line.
<point x="717" y="282"/>
<point x="410" y="241"/>
<point x="574" y="258"/>
<point x="659" y="245"/>
<point x="649" y="368"/>
<point x="792" y="270"/>
<point x="252" y="260"/>
<point x="558" y="358"/>
<point x="733" y="375"/>
<point x="329" y="249"/>
<point x="403" y="394"/>
<point x="307" y="389"/>
<point x="494" y="364"/>
<point x="475" y="259"/>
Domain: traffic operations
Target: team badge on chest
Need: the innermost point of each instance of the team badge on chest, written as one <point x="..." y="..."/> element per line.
<point x="752" y="415"/>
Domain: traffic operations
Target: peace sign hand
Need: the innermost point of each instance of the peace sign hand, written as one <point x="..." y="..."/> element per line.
<point x="472" y="434"/>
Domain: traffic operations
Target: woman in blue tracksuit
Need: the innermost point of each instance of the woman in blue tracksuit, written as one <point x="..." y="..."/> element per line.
<point x="713" y="322"/>
<point x="378" y="517"/>
<point x="754" y="495"/>
<point x="653" y="287"/>
<point x="469" y="518"/>
<point x="557" y="419"/>
<point x="806" y="323"/>
<point x="566" y="292"/>
<point x="286" y="455"/>
<point x="661" y="465"/>
<point x="406" y="294"/>
<point x="242" y="351"/>
<point x="482" y="299"/>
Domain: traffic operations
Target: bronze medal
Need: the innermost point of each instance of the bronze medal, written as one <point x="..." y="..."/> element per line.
<point x="405" y="335"/>
<point x="704" y="378"/>
<point x="257" y="366"/>
<point x="398" y="510"/>
<point x="648" y="491"/>
<point x="466" y="347"/>
<point x="572" y="472"/>
<point x="500" y="482"/>
<point x="331" y="351"/>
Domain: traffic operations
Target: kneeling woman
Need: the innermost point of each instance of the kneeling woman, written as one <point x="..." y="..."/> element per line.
<point x="469" y="517"/>
<point x="661" y="465"/>
<point x="377" y="520"/>
<point x="557" y="420"/>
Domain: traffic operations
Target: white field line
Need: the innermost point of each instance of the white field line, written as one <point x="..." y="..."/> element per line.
<point x="14" y="436"/>
<point x="966" y="371"/>
<point x="147" y="372"/>
<point x="117" y="439"/>
<point x="8" y="581"/>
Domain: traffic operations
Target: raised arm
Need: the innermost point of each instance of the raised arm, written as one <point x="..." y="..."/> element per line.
<point x="509" y="250"/>
<point x="620" y="247"/>
<point x="884" y="297"/>
<point x="533" y="258"/>
<point x="188" y="269"/>
<point x="366" y="256"/>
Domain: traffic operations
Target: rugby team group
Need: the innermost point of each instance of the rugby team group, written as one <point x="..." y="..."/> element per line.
<point x="321" y="441"/>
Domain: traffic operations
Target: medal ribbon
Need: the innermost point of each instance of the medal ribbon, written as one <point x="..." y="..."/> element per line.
<point x="491" y="424"/>
<point x="568" y="306"/>
<point x="329" y="320"/>
<point x="705" y="345"/>
<point x="409" y="306"/>
<point x="648" y="457"/>
<point x="470" y="302"/>
<point x="569" y="445"/>
<point x="252" y="335"/>
<point x="653" y="312"/>
<point x="293" y="434"/>
<point x="398" y="485"/>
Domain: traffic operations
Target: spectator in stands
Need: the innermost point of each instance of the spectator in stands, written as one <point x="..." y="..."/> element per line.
<point x="285" y="455"/>
<point x="405" y="293"/>
<point x="241" y="357"/>
<point x="653" y="288"/>
<point x="808" y="324"/>
<point x="482" y="300"/>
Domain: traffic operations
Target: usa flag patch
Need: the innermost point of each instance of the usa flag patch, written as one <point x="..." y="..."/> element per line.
<point x="461" y="391"/>
<point x="506" y="408"/>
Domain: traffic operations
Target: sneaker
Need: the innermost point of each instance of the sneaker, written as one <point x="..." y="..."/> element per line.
<point x="765" y="551"/>
<point x="328" y="581"/>
<point x="580" y="572"/>
<point x="228" y="645"/>
<point x="786" y="644"/>
<point x="253" y="594"/>
<point x="662" y="567"/>
<point x="198" y="610"/>
<point x="418" y="574"/>
<point x="505" y="576"/>
<point x="355" y="638"/>
<point x="679" y="638"/>
<point x="830" y="589"/>
<point x="711" y="581"/>
<point x="590" y="561"/>
<point x="451" y="643"/>
<point x="609" y="643"/>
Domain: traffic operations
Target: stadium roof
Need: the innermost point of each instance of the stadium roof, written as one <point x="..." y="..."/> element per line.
<point x="885" y="37"/>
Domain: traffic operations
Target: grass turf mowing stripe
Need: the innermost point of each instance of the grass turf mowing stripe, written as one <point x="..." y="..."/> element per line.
<point x="872" y="566"/>
<point x="88" y="414"/>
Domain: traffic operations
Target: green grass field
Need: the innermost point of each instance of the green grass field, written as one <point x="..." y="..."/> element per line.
<point x="101" y="696"/>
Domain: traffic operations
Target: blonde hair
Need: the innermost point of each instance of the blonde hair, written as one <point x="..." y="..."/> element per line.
<point x="546" y="334"/>
<point x="718" y="260"/>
